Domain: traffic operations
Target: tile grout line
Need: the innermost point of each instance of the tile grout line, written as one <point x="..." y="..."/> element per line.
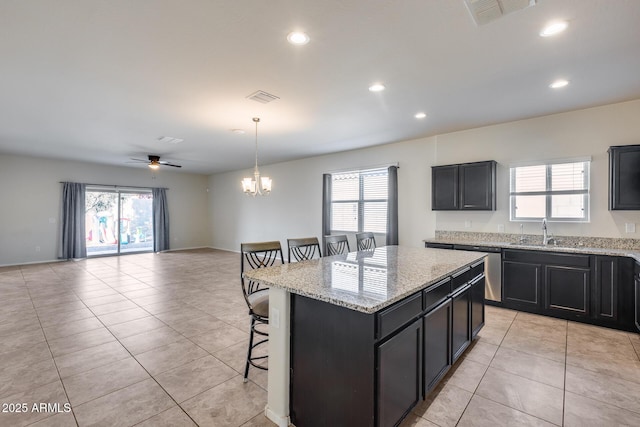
<point x="53" y="359"/>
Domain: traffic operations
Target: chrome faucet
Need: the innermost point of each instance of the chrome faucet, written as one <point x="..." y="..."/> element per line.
<point x="545" y="235"/>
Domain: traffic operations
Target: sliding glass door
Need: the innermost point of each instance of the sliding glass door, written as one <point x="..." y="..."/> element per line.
<point x="118" y="221"/>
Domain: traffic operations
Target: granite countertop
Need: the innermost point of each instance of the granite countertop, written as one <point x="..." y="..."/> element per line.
<point x="539" y="247"/>
<point x="366" y="281"/>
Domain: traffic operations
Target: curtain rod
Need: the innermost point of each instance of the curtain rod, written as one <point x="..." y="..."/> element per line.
<point x="117" y="186"/>
<point x="366" y="168"/>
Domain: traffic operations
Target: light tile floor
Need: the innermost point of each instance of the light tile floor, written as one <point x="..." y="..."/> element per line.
<point x="160" y="340"/>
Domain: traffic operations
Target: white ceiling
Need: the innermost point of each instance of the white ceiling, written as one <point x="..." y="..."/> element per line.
<point x="101" y="80"/>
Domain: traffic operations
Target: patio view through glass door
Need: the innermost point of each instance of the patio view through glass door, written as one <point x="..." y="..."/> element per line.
<point x="118" y="221"/>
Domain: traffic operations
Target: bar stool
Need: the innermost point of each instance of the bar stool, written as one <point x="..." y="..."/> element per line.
<point x="336" y="245"/>
<point x="365" y="241"/>
<point x="252" y="256"/>
<point x="303" y="249"/>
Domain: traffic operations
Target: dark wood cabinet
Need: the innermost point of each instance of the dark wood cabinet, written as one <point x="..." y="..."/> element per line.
<point x="399" y="375"/>
<point x="357" y="369"/>
<point x="437" y="344"/>
<point x="567" y="290"/>
<point x="444" y="195"/>
<point x="467" y="186"/>
<point x="605" y="288"/>
<point x="636" y="290"/>
<point x="624" y="177"/>
<point x="460" y="324"/>
<point x="478" y="186"/>
<point x="521" y="284"/>
<point x="477" y="304"/>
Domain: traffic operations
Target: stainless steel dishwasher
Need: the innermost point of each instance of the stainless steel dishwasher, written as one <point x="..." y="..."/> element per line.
<point x="492" y="269"/>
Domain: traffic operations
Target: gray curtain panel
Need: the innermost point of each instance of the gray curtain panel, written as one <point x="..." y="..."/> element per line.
<point x="72" y="222"/>
<point x="326" y="208"/>
<point x="392" y="207"/>
<point x="160" y="220"/>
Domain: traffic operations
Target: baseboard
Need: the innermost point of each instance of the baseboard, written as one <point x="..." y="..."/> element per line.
<point x="33" y="262"/>
<point x="279" y="420"/>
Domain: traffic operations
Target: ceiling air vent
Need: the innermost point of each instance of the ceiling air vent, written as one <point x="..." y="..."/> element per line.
<point x="262" y="97"/>
<point x="170" y="139"/>
<point x="485" y="11"/>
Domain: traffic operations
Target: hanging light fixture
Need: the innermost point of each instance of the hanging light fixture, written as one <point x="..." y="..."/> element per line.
<point x="256" y="186"/>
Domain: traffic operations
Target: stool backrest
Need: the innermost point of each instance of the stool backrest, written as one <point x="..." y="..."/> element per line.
<point x="303" y="249"/>
<point x="257" y="255"/>
<point x="336" y="245"/>
<point x="365" y="241"/>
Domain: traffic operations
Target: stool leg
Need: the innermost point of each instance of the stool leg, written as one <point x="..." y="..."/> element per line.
<point x="246" y="368"/>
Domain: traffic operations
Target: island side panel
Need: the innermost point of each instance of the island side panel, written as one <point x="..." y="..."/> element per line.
<point x="333" y="364"/>
<point x="277" y="409"/>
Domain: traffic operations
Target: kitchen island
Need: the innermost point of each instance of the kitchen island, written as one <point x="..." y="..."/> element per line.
<point x="359" y="339"/>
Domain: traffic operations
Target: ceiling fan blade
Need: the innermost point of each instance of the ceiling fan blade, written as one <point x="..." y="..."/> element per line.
<point x="138" y="160"/>
<point x="170" y="164"/>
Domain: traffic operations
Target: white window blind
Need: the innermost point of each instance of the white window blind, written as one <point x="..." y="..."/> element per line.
<point x="558" y="192"/>
<point x="359" y="201"/>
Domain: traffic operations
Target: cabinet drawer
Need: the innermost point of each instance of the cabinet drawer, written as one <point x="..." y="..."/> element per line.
<point x="392" y="318"/>
<point x="460" y="279"/>
<point x="436" y="294"/>
<point x="549" y="258"/>
<point x="476" y="270"/>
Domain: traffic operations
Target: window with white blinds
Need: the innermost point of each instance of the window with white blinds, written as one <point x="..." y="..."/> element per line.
<point x="359" y="201"/>
<point x="557" y="191"/>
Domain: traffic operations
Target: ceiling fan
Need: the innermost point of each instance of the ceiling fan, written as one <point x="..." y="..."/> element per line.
<point x="154" y="162"/>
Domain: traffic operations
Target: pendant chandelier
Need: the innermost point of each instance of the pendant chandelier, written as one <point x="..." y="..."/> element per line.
<point x="256" y="186"/>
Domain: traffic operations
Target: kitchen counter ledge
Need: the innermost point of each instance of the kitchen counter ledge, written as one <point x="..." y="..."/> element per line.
<point x="366" y="281"/>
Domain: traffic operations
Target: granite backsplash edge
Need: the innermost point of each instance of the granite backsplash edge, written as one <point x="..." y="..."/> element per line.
<point x="566" y="241"/>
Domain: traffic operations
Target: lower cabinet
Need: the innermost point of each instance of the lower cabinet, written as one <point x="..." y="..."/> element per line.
<point x="605" y="288"/>
<point x="637" y="295"/>
<point x="437" y="344"/>
<point x="567" y="290"/>
<point x="350" y="368"/>
<point x="460" y="325"/>
<point x="522" y="284"/>
<point x="477" y="304"/>
<point x="399" y="374"/>
<point x="586" y="288"/>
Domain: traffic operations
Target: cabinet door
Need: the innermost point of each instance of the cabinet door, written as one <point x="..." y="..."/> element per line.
<point x="460" y="322"/>
<point x="477" y="305"/>
<point x="637" y="296"/>
<point x="478" y="186"/>
<point x="444" y="187"/>
<point x="567" y="290"/>
<point x="624" y="178"/>
<point x="437" y="344"/>
<point x="521" y="284"/>
<point x="399" y="374"/>
<point x="605" y="289"/>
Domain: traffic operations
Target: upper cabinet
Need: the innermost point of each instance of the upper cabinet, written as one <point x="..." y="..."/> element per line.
<point x="624" y="177"/>
<point x="466" y="186"/>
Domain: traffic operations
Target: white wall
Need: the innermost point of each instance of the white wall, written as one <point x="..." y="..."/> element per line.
<point x="30" y="194"/>
<point x="579" y="133"/>
<point x="294" y="207"/>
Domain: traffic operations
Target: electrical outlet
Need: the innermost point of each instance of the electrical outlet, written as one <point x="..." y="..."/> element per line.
<point x="500" y="228"/>
<point x="37" y="248"/>
<point x="52" y="220"/>
<point x="467" y="224"/>
<point x="630" y="227"/>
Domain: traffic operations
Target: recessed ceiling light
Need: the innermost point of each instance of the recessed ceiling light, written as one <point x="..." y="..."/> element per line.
<point x="238" y="131"/>
<point x="558" y="84"/>
<point x="377" y="87"/>
<point x="554" y="28"/>
<point x="298" y="38"/>
<point x="420" y="115"/>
